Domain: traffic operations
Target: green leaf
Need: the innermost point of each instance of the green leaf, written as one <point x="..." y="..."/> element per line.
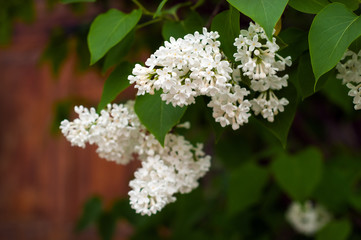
<point x="296" y="40"/>
<point x="283" y="121"/>
<point x="157" y="116"/>
<point x="122" y="210"/>
<point x="159" y="8"/>
<point x="115" y="84"/>
<point x="264" y="12"/>
<point x="333" y="181"/>
<point x="308" y="6"/>
<point x="332" y="31"/>
<point x="57" y="49"/>
<point x="76" y="1"/>
<point x="245" y="187"/>
<point x="5" y="28"/>
<point x="355" y="45"/>
<point x="192" y="23"/>
<point x="106" y="225"/>
<point x="61" y="111"/>
<point x="108" y="29"/>
<point x="355" y="201"/>
<point x="118" y="52"/>
<point x="298" y="175"/>
<point x="227" y="25"/>
<point x="335" y="230"/>
<point x="306" y="80"/>
<point x="91" y="212"/>
<point x="337" y="93"/>
<point x="26" y="12"/>
<point x="351" y="4"/>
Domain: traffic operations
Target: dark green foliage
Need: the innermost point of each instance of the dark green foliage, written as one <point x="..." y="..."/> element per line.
<point x="253" y="178"/>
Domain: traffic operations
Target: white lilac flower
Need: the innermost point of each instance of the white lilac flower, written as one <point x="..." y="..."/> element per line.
<point x="268" y="105"/>
<point x="116" y="131"/>
<point x="260" y="62"/>
<point x="120" y="136"/>
<point x="230" y="108"/>
<point x="184" y="68"/>
<point x="176" y="168"/>
<point x="349" y="70"/>
<point x="307" y="218"/>
<point x="77" y="132"/>
<point x="192" y="66"/>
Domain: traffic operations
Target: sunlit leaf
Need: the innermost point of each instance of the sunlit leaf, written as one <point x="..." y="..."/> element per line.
<point x="264" y="12"/>
<point x="108" y="29"/>
<point x="332" y="31"/>
<point x="118" y="52"/>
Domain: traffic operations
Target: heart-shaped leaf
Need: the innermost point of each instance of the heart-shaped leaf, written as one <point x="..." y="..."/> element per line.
<point x="298" y="175"/>
<point x="264" y="12"/>
<point x="157" y="116"/>
<point x="115" y="84"/>
<point x="118" y="52"/>
<point x="108" y="29"/>
<point x="332" y="31"/>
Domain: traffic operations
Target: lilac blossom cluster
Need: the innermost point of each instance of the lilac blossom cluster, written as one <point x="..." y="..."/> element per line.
<point x="260" y="63"/>
<point x="192" y="66"/>
<point x="119" y="135"/>
<point x="349" y="70"/>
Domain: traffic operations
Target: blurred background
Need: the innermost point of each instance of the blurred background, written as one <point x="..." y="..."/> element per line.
<point x="44" y="71"/>
<point x="44" y="182"/>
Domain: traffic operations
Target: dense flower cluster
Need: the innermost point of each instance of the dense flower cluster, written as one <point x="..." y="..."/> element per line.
<point x="192" y="66"/>
<point x="188" y="67"/>
<point x="260" y="63"/>
<point x="350" y="73"/>
<point x="120" y="136"/>
<point x="184" y="69"/>
<point x="307" y="218"/>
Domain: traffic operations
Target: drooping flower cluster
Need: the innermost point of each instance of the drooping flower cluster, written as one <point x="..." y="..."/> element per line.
<point x="307" y="218"/>
<point x="260" y="62"/>
<point x="120" y="136"/>
<point x="166" y="171"/>
<point x="188" y="67"/>
<point x="192" y="66"/>
<point x="350" y="73"/>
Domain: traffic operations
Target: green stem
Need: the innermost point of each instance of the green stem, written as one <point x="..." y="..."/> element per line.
<point x="148" y="23"/>
<point x="144" y="10"/>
